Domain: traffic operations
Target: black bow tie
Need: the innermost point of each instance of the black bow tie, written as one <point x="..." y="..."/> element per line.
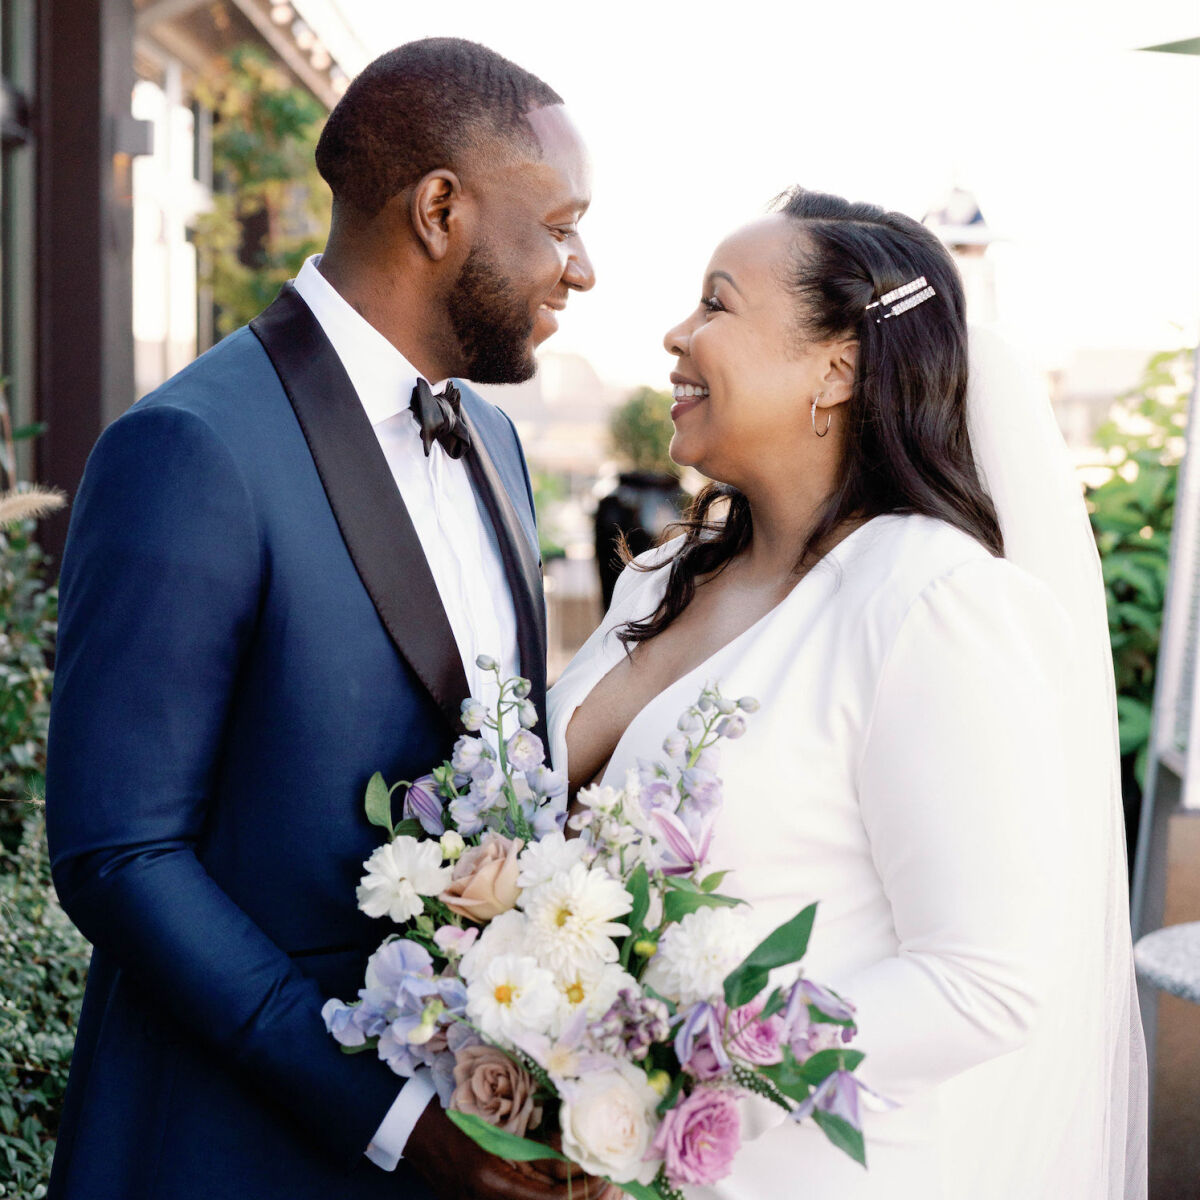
<point x="440" y="418"/>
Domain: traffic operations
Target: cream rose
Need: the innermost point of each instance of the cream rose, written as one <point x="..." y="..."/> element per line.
<point x="488" y="1084"/>
<point x="484" y="882"/>
<point x="608" y="1123"/>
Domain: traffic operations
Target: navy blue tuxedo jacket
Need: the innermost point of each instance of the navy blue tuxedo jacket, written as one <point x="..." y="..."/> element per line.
<point x="249" y="629"/>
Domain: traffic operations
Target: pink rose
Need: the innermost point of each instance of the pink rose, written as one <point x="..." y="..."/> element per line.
<point x="699" y="1137"/>
<point x="488" y="1084"/>
<point x="748" y="1038"/>
<point x="484" y="882"/>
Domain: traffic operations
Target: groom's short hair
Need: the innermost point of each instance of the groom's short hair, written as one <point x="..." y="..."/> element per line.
<point x="424" y="105"/>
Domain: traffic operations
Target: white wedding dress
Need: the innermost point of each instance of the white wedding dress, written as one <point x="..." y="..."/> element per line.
<point x="901" y="771"/>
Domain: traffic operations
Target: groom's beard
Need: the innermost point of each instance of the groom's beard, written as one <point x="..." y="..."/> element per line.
<point x="492" y="323"/>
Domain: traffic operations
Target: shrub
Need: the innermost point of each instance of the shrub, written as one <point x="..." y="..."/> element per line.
<point x="43" y="959"/>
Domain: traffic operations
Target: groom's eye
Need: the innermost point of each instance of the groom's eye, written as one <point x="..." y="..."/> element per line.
<point x="562" y="232"/>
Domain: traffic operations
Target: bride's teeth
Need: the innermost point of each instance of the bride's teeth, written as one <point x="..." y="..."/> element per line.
<point x="685" y="391"/>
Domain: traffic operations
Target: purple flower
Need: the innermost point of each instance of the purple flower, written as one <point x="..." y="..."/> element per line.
<point x="751" y="1039"/>
<point x="698" y="1043"/>
<point x="800" y="1030"/>
<point x="699" y="1137"/>
<point x="422" y="801"/>
<point x="339" y="1021"/>
<point x="525" y="750"/>
<point x="631" y="1026"/>
<point x="465" y="812"/>
<point x="397" y="963"/>
<point x="731" y="727"/>
<point x="546" y="782"/>
<point x="838" y="1095"/>
<point x="467" y="754"/>
<point x="685" y="850"/>
<point x="702" y="788"/>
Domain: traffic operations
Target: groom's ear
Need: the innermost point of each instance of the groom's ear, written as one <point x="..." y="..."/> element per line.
<point x="437" y="210"/>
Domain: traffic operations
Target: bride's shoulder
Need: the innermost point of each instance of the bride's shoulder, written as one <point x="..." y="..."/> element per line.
<point x="906" y="557"/>
<point x="645" y="571"/>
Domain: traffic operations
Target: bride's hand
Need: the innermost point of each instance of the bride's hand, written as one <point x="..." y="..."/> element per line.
<point x="454" y="1166"/>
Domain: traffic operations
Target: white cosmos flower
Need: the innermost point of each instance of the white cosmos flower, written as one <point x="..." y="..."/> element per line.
<point x="590" y="988"/>
<point x="694" y="956"/>
<point x="542" y="860"/>
<point x="504" y="934"/>
<point x="510" y="996"/>
<point x="571" y="918"/>
<point x="398" y="875"/>
<point x="601" y="799"/>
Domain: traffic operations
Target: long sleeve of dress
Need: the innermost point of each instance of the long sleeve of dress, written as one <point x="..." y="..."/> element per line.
<point x="960" y="770"/>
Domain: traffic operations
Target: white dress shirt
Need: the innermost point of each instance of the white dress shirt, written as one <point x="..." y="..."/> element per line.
<point x="460" y="546"/>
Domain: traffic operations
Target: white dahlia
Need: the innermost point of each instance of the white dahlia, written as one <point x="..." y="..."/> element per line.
<point x="540" y="861"/>
<point x="694" y="956"/>
<point x="398" y="875"/>
<point x="571" y="918"/>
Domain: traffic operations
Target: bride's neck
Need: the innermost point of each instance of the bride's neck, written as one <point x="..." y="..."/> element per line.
<point x="784" y="518"/>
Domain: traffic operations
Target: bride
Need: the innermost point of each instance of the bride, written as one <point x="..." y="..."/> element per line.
<point x="905" y="580"/>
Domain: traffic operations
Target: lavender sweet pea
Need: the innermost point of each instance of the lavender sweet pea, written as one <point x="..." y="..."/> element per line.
<point x="422" y="801"/>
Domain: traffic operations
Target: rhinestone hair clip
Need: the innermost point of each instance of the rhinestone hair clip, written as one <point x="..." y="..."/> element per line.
<point x="902" y="299"/>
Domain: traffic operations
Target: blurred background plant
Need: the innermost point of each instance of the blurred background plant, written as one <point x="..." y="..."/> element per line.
<point x="1132" y="514"/>
<point x="270" y="206"/>
<point x="641" y="429"/>
<point x="43" y="959"/>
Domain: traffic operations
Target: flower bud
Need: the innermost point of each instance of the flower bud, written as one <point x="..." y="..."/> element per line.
<point x="659" y="1081"/>
<point x="705" y="703"/>
<point x="688" y="722"/>
<point x="527" y="714"/>
<point x="452" y="845"/>
<point x="522" y="688"/>
<point x="473" y="714"/>
<point x="748" y="704"/>
<point x="485" y="662"/>
<point x="731" y="727"/>
<point x="645" y="947"/>
<point x="675" y="745"/>
<point x="725" y="707"/>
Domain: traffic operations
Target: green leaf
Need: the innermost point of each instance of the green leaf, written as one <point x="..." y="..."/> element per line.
<point x="823" y="1064"/>
<point x="843" y="1135"/>
<point x="640" y="1191"/>
<point x="710" y="883"/>
<point x="379" y="803"/>
<point x="638" y="887"/>
<point x="502" y="1145"/>
<point x="677" y="905"/>
<point x="785" y="945"/>
<point x="24" y="432"/>
<point x="409" y="827"/>
<point x="672" y="1094"/>
<point x="777" y="1003"/>
<point x="788" y="1076"/>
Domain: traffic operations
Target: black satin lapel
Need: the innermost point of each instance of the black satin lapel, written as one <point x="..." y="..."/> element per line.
<point x="375" y="525"/>
<point x="520" y="565"/>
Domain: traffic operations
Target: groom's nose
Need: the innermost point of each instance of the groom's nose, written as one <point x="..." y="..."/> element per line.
<point x="579" y="273"/>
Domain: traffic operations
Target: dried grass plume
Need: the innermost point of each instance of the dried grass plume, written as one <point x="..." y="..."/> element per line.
<point x="29" y="503"/>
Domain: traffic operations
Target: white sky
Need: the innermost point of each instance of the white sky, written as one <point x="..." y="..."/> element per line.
<point x="1084" y="155"/>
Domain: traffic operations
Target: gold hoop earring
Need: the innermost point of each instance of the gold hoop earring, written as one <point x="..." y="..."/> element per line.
<point x="828" y="416"/>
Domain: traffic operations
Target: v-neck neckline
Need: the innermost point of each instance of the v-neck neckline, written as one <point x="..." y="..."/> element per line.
<point x="830" y="557"/>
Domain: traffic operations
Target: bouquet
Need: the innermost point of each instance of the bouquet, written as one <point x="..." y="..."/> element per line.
<point x="598" y="991"/>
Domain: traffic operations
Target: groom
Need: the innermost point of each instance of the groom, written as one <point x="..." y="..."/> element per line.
<point x="277" y="580"/>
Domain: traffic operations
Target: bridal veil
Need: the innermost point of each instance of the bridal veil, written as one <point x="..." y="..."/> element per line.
<point x="1080" y="1126"/>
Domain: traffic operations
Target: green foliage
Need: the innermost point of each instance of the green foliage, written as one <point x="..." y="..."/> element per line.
<point x="641" y="431"/>
<point x="43" y="960"/>
<point x="28" y="616"/>
<point x="43" y="965"/>
<point x="1132" y="513"/>
<point x="271" y="209"/>
<point x="785" y="945"/>
<point x="548" y="490"/>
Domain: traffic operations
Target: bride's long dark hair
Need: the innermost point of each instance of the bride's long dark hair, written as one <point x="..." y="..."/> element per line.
<point x="906" y="448"/>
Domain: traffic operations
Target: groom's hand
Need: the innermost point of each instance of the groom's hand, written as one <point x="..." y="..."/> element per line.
<point x="456" y="1167"/>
